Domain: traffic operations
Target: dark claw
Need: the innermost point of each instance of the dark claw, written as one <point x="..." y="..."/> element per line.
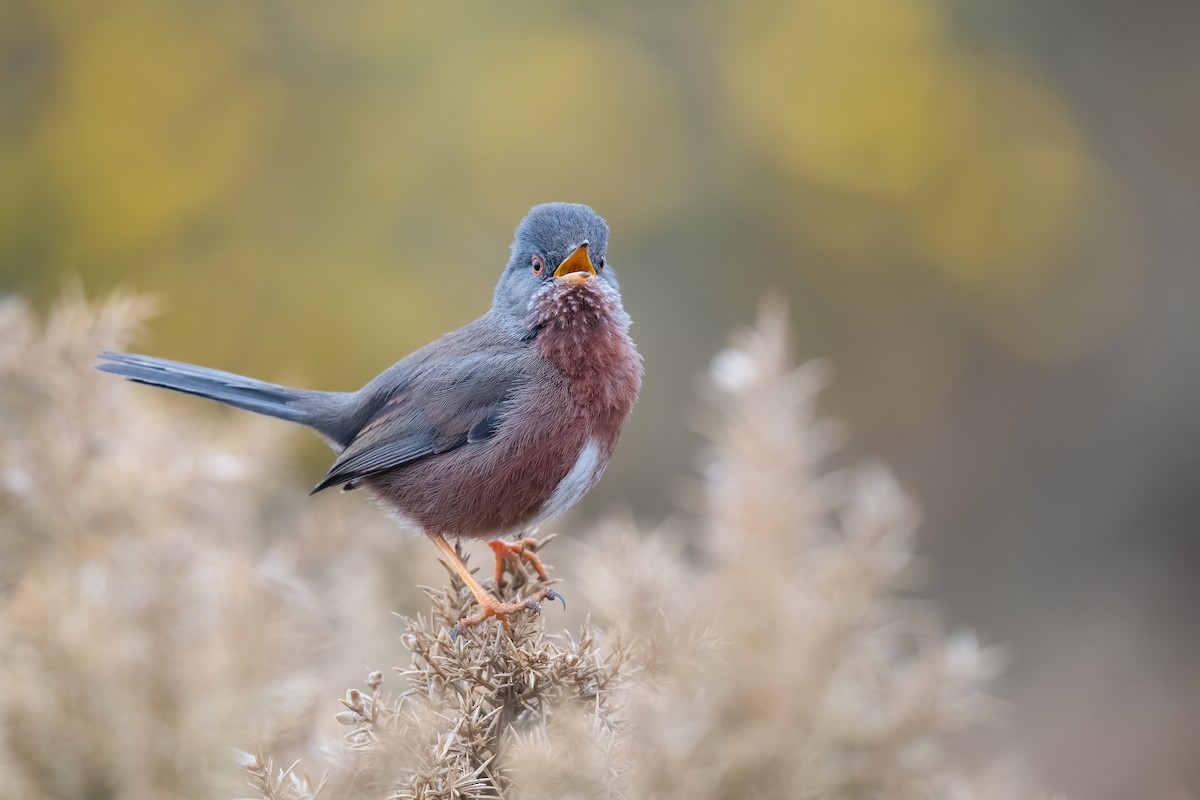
<point x="553" y="595"/>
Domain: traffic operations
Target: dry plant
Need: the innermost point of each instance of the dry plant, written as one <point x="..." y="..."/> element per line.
<point x="163" y="603"/>
<point x="787" y="662"/>
<point x="160" y="601"/>
<point x="765" y="650"/>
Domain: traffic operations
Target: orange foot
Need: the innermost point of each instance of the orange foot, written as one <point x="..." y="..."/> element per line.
<point x="488" y="605"/>
<point x="491" y="607"/>
<point x="509" y="555"/>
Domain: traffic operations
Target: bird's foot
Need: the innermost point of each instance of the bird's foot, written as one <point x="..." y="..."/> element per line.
<point x="491" y="607"/>
<point x="511" y="557"/>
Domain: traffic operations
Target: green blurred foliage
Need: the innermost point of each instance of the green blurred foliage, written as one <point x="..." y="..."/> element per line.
<point x="254" y="162"/>
<point x="250" y="162"/>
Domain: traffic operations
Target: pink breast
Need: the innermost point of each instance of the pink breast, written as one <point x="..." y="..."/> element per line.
<point x="549" y="450"/>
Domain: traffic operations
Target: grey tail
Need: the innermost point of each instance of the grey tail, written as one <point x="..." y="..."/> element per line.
<point x="322" y="411"/>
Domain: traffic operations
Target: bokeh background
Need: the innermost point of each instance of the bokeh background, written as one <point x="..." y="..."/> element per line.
<point x="985" y="215"/>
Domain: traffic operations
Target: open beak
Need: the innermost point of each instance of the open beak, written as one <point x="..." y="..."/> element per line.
<point x="577" y="266"/>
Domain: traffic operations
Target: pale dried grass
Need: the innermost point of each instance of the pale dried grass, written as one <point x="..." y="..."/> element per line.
<point x="167" y="597"/>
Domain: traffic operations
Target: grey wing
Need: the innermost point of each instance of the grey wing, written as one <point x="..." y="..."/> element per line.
<point x="433" y="412"/>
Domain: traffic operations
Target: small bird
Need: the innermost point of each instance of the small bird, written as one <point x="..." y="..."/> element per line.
<point x="489" y="430"/>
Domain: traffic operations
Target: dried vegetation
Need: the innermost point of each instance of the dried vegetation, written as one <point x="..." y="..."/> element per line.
<point x="166" y="598"/>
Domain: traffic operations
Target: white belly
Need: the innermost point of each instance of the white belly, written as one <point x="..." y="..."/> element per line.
<point x="583" y="476"/>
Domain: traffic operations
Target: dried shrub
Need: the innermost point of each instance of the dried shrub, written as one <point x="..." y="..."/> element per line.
<point x="167" y="599"/>
<point x="159" y="602"/>
<point x="765" y="650"/>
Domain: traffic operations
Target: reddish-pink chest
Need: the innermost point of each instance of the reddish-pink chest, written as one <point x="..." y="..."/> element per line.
<point x="553" y="444"/>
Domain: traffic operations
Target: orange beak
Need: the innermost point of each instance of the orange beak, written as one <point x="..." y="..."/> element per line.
<point x="577" y="266"/>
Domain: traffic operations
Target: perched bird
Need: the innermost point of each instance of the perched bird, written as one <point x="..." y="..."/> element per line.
<point x="492" y="428"/>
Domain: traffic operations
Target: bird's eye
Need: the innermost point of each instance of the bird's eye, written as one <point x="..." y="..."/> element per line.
<point x="538" y="265"/>
<point x="600" y="262"/>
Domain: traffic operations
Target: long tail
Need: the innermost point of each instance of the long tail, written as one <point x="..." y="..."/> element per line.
<point x="323" y="411"/>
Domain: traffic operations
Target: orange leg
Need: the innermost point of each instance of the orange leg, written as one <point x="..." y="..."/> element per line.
<point x="488" y="605"/>
<point x="509" y="554"/>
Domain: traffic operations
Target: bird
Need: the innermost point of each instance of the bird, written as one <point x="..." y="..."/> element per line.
<point x="487" y="431"/>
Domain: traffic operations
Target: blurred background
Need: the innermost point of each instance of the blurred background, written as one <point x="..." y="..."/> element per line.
<point x="985" y="215"/>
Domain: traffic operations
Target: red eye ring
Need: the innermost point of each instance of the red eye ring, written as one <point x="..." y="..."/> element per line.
<point x="538" y="265"/>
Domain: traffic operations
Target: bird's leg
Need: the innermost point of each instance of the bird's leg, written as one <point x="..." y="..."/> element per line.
<point x="488" y="605"/>
<point x="509" y="554"/>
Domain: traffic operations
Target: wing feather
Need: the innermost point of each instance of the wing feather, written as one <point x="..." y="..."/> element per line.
<point x="432" y="412"/>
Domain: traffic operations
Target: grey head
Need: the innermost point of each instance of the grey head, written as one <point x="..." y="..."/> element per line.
<point x="556" y="247"/>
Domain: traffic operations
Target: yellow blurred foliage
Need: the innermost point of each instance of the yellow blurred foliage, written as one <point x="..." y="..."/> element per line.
<point x="247" y="161"/>
<point x="153" y="123"/>
<point x="842" y="92"/>
<point x="578" y="121"/>
<point x="980" y="167"/>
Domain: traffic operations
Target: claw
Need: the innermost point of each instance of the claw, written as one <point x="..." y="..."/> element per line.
<point x="489" y="606"/>
<point x="516" y="557"/>
<point x="553" y="595"/>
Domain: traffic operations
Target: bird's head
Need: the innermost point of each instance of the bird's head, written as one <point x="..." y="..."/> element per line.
<point x="558" y="275"/>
